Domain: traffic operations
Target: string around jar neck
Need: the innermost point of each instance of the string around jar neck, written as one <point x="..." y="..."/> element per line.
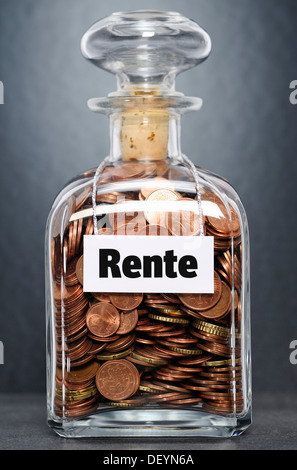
<point x="94" y="192"/>
<point x="198" y="191"/>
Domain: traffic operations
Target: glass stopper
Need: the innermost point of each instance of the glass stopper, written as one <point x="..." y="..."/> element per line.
<point x="146" y="49"/>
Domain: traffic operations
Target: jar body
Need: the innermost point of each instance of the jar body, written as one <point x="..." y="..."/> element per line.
<point x="189" y="355"/>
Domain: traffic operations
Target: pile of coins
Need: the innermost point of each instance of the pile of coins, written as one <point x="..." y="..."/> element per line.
<point x="134" y="350"/>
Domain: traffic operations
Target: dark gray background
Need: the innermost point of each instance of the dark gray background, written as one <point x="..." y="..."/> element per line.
<point x="246" y="132"/>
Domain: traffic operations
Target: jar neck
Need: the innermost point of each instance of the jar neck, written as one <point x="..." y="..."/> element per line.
<point x="145" y="135"/>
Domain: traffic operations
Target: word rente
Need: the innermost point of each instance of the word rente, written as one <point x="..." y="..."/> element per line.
<point x="133" y="267"/>
<point x="148" y="264"/>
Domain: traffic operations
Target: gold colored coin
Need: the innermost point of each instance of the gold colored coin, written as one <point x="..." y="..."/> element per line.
<point x="182" y="321"/>
<point x="192" y="352"/>
<point x="149" y="360"/>
<point x="110" y="357"/>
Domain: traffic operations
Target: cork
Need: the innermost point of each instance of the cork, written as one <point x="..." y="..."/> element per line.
<point x="144" y="134"/>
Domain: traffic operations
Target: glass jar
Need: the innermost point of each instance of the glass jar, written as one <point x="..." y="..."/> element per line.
<point x="147" y="259"/>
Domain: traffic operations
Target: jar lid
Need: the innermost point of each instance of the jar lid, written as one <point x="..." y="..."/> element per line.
<point x="146" y="50"/>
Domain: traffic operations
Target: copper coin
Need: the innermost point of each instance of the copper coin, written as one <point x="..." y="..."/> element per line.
<point x="169" y="353"/>
<point x="71" y="238"/>
<point x="145" y="341"/>
<point x="185" y="369"/>
<point x="100" y="339"/>
<point x="173" y="374"/>
<point x="113" y="356"/>
<point x="184" y="222"/>
<point x="142" y="312"/>
<point x="82" y="374"/>
<point x="128" y="321"/>
<point x="186" y="401"/>
<point x="228" y="369"/>
<point x="219" y="377"/>
<point x="152" y="186"/>
<point x="117" y="380"/>
<point x="150" y="328"/>
<point x="162" y="354"/>
<point x="214" y="395"/>
<point x="90" y="227"/>
<point x="148" y="351"/>
<point x="143" y="364"/>
<point x="73" y="404"/>
<point x="165" y="333"/>
<point x="65" y="294"/>
<point x="79" y="270"/>
<point x="56" y="257"/>
<point x="214" y="348"/>
<point x="82" y="361"/>
<point x="168" y="386"/>
<point x="225" y="410"/>
<point x="132" y="228"/>
<point x="70" y="278"/>
<point x="167" y="378"/>
<point x="222" y="307"/>
<point x="125" y="301"/>
<point x="96" y="348"/>
<point x="225" y="223"/>
<point x="127" y="170"/>
<point x="172" y="298"/>
<point x="127" y="222"/>
<point x="182" y="340"/>
<point x="160" y="218"/>
<point x="78" y="349"/>
<point x="201" y="302"/>
<point x="224" y="402"/>
<point x="169" y="396"/>
<point x="195" y="360"/>
<point x="75" y="337"/>
<point x="101" y="297"/>
<point x="219" y="386"/>
<point x="103" y="320"/>
<point x="87" y="409"/>
<point x="78" y="386"/>
<point x="154" y="298"/>
<point x="123" y="343"/>
<point x="154" y="230"/>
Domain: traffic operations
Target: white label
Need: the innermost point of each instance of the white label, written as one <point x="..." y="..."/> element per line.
<point x="148" y="264"/>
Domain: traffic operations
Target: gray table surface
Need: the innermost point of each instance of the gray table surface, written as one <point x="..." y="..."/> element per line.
<point x="23" y="427"/>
